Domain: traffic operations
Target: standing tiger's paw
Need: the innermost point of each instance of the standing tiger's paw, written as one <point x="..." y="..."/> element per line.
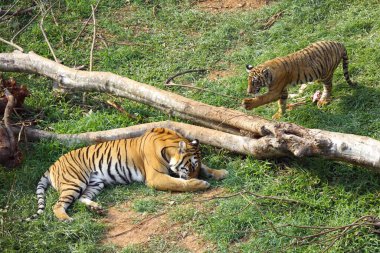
<point x="219" y="174"/>
<point x="248" y="103"/>
<point x="196" y="184"/>
<point x="323" y="102"/>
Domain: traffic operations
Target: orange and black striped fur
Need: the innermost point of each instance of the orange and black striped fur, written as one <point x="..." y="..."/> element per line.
<point x="153" y="158"/>
<point x="316" y="62"/>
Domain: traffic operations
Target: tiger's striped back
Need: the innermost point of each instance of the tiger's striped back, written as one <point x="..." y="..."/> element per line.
<point x="317" y="62"/>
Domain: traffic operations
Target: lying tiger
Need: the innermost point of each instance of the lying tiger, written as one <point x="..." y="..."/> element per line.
<point x="151" y="158"/>
<point x="315" y="62"/>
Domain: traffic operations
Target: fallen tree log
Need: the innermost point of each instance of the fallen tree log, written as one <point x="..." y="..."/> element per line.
<point x="277" y="139"/>
<point x="235" y="143"/>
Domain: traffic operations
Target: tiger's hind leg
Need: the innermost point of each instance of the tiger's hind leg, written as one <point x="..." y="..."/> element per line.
<point x="93" y="189"/>
<point x="326" y="94"/>
<point x="68" y="195"/>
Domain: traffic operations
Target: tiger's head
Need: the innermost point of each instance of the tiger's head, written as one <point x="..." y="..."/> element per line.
<point x="184" y="161"/>
<point x="257" y="77"/>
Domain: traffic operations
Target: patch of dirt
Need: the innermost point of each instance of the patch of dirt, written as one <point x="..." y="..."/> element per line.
<point x="230" y="5"/>
<point x="127" y="227"/>
<point x="218" y="74"/>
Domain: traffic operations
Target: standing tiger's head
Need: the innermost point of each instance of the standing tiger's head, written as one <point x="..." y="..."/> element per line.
<point x="258" y="77"/>
<point x="184" y="161"/>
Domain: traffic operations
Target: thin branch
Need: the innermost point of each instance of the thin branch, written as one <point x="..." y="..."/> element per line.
<point x="137" y="225"/>
<point x="22" y="29"/>
<point x="185" y="72"/>
<point x="121" y="109"/>
<point x="85" y="24"/>
<point x="7" y="123"/>
<point x="6" y="12"/>
<point x="252" y="194"/>
<point x="44" y="34"/>
<point x="12" y="44"/>
<point x="201" y="89"/>
<point x="18" y="12"/>
<point x="93" y="37"/>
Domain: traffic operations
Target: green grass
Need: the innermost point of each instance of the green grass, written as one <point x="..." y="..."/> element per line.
<point x="330" y="193"/>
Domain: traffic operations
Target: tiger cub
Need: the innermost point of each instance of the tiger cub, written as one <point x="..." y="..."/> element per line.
<point x="318" y="61"/>
<point x="150" y="158"/>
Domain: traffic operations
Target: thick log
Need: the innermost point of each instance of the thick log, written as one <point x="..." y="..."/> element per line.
<point x="278" y="139"/>
<point x="239" y="144"/>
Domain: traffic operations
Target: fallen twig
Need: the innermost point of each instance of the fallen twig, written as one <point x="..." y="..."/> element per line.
<point x="44" y="34"/>
<point x="6" y="119"/>
<point x="93" y="37"/>
<point x="121" y="109"/>
<point x="137" y="225"/>
<point x="85" y="24"/>
<point x="185" y="72"/>
<point x="273" y="19"/>
<point x="25" y="26"/>
<point x="201" y="89"/>
<point x="7" y="11"/>
<point x="16" y="13"/>
<point x="252" y="194"/>
<point x="12" y="44"/>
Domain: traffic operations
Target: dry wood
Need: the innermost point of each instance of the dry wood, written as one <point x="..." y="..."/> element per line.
<point x="235" y="143"/>
<point x="277" y="138"/>
<point x="9" y="153"/>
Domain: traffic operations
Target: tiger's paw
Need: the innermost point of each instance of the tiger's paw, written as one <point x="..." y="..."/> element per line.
<point x="323" y="102"/>
<point x="220" y="174"/>
<point x="196" y="184"/>
<point x="248" y="103"/>
<point x="67" y="220"/>
<point x="98" y="210"/>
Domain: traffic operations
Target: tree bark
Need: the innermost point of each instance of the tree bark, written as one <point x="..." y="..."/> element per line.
<point x="239" y="144"/>
<point x="277" y="138"/>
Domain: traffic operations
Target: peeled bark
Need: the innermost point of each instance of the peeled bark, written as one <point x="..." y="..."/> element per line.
<point x="276" y="139"/>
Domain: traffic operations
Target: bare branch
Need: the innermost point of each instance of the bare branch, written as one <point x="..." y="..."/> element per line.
<point x="277" y="139"/>
<point x="201" y="89"/>
<point x="44" y="34"/>
<point x="93" y="37"/>
<point x="12" y="44"/>
<point x="85" y="24"/>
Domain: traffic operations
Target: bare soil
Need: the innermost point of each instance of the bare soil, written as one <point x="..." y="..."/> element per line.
<point x="230" y="5"/>
<point x="127" y="227"/>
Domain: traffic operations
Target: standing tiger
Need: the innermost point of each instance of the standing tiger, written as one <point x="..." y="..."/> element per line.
<point x="318" y="61"/>
<point x="151" y="158"/>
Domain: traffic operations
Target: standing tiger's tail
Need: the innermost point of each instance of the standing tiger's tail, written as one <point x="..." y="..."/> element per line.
<point x="345" y="68"/>
<point x="43" y="184"/>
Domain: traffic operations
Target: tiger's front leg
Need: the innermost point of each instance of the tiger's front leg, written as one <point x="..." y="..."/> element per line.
<point x="281" y="105"/>
<point x="212" y="173"/>
<point x="250" y="103"/>
<point x="165" y="182"/>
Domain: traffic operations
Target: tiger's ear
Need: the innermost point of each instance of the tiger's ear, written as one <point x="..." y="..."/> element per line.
<point x="267" y="74"/>
<point x="182" y="147"/>
<point x="248" y="67"/>
<point x="194" y="143"/>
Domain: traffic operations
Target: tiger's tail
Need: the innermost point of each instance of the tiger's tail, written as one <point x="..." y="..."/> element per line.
<point x="345" y="68"/>
<point x="43" y="184"/>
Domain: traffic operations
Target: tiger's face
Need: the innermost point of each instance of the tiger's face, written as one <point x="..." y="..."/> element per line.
<point x="257" y="78"/>
<point x="185" y="163"/>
